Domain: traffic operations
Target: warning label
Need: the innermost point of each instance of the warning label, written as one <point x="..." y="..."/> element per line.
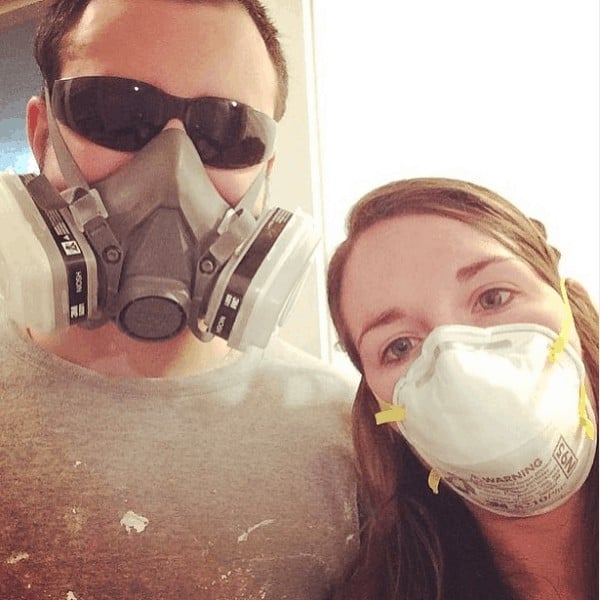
<point x="536" y="484"/>
<point x="70" y="247"/>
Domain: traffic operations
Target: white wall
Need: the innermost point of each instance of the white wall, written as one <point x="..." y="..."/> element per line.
<point x="502" y="93"/>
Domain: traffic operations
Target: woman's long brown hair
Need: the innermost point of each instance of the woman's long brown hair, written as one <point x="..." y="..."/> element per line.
<point x="414" y="545"/>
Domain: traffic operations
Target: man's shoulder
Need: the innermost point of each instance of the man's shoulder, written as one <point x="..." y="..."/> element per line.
<point x="289" y="363"/>
<point x="281" y="351"/>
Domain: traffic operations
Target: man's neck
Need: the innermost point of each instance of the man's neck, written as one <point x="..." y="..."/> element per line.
<point x="108" y="351"/>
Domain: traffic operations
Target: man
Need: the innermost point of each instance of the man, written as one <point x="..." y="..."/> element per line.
<point x="134" y="467"/>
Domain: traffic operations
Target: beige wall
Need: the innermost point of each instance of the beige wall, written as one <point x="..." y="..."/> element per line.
<point x="295" y="180"/>
<point x="15" y="12"/>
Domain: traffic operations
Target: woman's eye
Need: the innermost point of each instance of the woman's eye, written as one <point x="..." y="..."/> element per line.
<point x="494" y="298"/>
<point x="398" y="350"/>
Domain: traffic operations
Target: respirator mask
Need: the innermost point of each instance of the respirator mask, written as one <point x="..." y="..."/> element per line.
<point x="153" y="247"/>
<point x="500" y="414"/>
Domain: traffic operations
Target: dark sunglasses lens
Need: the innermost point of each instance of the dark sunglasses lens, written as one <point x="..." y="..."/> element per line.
<point x="116" y="113"/>
<point x="229" y="135"/>
<point x="124" y="114"/>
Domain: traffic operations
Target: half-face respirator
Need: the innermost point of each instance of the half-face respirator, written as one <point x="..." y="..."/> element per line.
<point x="154" y="247"/>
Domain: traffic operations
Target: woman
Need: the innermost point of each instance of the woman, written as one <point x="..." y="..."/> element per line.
<point x="474" y="422"/>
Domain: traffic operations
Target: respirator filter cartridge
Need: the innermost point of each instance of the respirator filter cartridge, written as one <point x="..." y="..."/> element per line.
<point x="47" y="268"/>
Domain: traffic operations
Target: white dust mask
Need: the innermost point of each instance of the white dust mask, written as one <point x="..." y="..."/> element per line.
<point x="500" y="414"/>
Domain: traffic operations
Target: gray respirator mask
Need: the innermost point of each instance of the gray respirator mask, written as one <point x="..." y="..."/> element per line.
<point x="153" y="247"/>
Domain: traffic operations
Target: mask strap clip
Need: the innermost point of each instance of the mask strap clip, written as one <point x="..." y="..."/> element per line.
<point x="236" y="226"/>
<point x="389" y="413"/>
<point x="433" y="481"/>
<point x="84" y="205"/>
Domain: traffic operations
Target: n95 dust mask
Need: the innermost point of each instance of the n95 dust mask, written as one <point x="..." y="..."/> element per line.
<point x="500" y="415"/>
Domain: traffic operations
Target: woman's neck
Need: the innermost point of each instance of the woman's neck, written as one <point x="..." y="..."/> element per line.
<point x="542" y="557"/>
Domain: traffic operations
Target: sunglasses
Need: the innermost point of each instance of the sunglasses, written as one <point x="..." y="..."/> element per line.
<point x="125" y="114"/>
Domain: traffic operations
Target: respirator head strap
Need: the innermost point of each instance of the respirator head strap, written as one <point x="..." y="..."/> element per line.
<point x="43" y="192"/>
<point x="68" y="167"/>
<point x="84" y="203"/>
<point x="248" y="200"/>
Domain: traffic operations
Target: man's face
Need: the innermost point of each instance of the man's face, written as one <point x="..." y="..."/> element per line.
<point x="185" y="49"/>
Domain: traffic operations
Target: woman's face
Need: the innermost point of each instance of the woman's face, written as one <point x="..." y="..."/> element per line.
<point x="409" y="274"/>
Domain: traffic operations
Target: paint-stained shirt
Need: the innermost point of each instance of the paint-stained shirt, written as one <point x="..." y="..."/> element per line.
<point x="233" y="484"/>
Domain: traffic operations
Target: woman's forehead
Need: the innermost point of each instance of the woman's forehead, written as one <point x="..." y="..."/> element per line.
<point x="405" y="240"/>
<point x="411" y="255"/>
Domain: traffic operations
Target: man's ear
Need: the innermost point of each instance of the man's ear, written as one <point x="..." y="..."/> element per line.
<point x="37" y="127"/>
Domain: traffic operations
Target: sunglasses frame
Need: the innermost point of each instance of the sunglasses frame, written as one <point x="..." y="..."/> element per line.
<point x="226" y="133"/>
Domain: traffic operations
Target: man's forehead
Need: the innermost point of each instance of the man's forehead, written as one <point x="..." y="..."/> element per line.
<point x="101" y="16"/>
<point x="187" y="48"/>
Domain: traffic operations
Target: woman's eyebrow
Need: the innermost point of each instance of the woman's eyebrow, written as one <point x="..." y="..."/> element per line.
<point x="463" y="274"/>
<point x="384" y="318"/>
<point x="468" y="272"/>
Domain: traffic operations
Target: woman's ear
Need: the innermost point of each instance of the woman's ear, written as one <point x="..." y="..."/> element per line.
<point x="37" y="127"/>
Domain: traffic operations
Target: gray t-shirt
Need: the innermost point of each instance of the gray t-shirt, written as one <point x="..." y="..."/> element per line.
<point x="235" y="483"/>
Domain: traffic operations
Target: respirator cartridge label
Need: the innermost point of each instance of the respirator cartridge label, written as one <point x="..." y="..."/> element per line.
<point x="246" y="270"/>
<point x="257" y="287"/>
<point x="69" y="248"/>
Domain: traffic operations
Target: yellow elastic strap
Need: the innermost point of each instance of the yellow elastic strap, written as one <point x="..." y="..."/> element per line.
<point x="584" y="420"/>
<point x="433" y="481"/>
<point x="554" y="352"/>
<point x="389" y="413"/>
<point x="565" y="327"/>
